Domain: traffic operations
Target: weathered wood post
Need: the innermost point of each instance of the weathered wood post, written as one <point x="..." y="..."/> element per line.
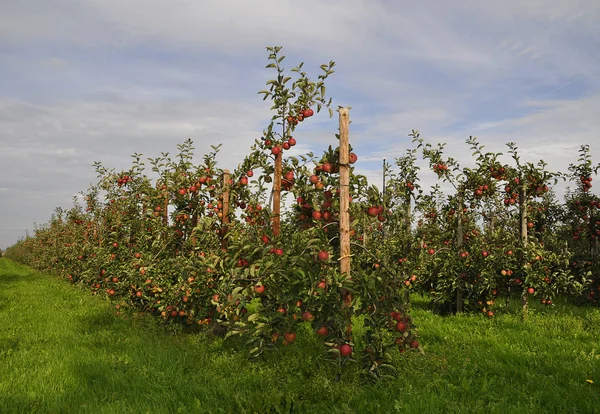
<point x="276" y="220"/>
<point x="523" y="237"/>
<point x="344" y="193"/>
<point x="225" y="212"/>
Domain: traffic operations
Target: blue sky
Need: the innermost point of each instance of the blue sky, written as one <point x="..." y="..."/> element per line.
<point x="96" y="80"/>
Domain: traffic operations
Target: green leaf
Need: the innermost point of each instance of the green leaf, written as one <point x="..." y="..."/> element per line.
<point x="237" y="291"/>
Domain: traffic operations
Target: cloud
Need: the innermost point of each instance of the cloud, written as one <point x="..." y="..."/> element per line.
<point x="101" y="79"/>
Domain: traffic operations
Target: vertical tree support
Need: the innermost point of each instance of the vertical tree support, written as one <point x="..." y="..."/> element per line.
<point x="523" y="237"/>
<point x="344" y="193"/>
<point x="460" y="240"/>
<point x="225" y="212"/>
<point x="277" y="194"/>
<point x="166" y="208"/>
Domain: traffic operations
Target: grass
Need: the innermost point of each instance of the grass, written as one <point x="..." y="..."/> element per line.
<point x="65" y="351"/>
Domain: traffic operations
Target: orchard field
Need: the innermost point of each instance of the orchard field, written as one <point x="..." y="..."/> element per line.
<point x="63" y="351"/>
<point x="370" y="283"/>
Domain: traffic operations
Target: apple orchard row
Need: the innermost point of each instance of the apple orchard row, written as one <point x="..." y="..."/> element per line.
<point x="212" y="248"/>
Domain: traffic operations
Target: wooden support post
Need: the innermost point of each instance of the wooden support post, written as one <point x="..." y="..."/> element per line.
<point x="523" y="215"/>
<point x="460" y="239"/>
<point x="166" y="208"/>
<point x="344" y="193"/>
<point x="225" y="212"/>
<point x="277" y="194"/>
<point x="193" y="225"/>
<point x="408" y="230"/>
<point x="523" y="234"/>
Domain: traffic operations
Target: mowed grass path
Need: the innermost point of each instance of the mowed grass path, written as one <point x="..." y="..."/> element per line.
<point x="65" y="351"/>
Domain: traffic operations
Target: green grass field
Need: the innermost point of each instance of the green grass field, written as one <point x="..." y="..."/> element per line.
<point x="65" y="351"/>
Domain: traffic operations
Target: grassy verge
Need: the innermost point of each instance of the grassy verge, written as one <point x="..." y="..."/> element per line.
<point x="62" y="350"/>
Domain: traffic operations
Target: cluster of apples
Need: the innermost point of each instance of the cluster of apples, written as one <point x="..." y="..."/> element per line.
<point x="537" y="186"/>
<point x="376" y="211"/>
<point x="440" y="168"/>
<point x="586" y="183"/>
<point x="254" y="215"/>
<point x="277" y="147"/>
<point x="301" y="116"/>
<point x="512" y="195"/>
<point x="497" y="172"/>
<point x="483" y="190"/>
<point x="124" y="180"/>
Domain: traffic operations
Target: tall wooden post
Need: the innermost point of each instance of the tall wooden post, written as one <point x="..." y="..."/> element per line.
<point x="460" y="239"/>
<point x="225" y="212"/>
<point x="407" y="247"/>
<point x="277" y="194"/>
<point x="193" y="225"/>
<point x="523" y="237"/>
<point x="166" y="208"/>
<point x="344" y="193"/>
<point x="523" y="215"/>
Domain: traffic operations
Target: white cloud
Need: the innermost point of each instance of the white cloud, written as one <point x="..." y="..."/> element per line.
<point x="101" y="79"/>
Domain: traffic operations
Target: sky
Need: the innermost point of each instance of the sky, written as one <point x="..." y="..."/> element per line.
<point x="98" y="80"/>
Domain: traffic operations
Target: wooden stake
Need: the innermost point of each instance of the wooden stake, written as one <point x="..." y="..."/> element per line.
<point x="194" y="224"/>
<point x="523" y="234"/>
<point x="166" y="208"/>
<point x="225" y="218"/>
<point x="460" y="239"/>
<point x="344" y="193"/>
<point x="277" y="194"/>
<point x="523" y="214"/>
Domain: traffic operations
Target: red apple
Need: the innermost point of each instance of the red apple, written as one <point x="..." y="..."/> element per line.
<point x="345" y="350"/>
<point x="323" y="331"/>
<point x="400" y="326"/>
<point x="308" y="316"/>
<point x="323" y="255"/>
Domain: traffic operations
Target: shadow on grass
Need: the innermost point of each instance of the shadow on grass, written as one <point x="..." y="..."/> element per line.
<point x="97" y="321"/>
<point x="8" y="279"/>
